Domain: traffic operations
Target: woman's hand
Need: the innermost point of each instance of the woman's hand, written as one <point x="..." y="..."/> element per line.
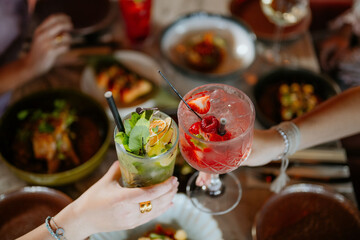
<point x="50" y="40"/>
<point x="107" y="206"/>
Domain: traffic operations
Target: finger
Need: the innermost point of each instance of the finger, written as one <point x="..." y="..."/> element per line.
<point x="57" y="29"/>
<point x="114" y="173"/>
<point x="62" y="40"/>
<point x="51" y="20"/>
<point x="203" y="179"/>
<point x="159" y="206"/>
<point x="149" y="193"/>
<point x="60" y="50"/>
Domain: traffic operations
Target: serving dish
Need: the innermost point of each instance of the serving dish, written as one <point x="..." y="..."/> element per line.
<point x="23" y="148"/>
<point x="137" y="62"/>
<point x="208" y="46"/>
<point x="183" y="215"/>
<point x="307" y="211"/>
<point x="268" y="94"/>
<point x="27" y="208"/>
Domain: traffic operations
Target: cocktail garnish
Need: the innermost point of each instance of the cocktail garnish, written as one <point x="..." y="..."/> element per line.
<point x="177" y="93"/>
<point x="136" y="132"/>
<point x="222" y="130"/>
<point x="110" y="99"/>
<point x="210" y="124"/>
<point x="200" y="104"/>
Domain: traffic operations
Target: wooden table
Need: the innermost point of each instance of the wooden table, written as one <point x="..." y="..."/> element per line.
<point x="238" y="223"/>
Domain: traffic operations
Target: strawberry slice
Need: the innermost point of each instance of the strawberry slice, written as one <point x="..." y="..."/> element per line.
<point x="200" y="104"/>
<point x="195" y="128"/>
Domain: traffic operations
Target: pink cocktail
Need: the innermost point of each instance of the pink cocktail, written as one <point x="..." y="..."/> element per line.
<point x="137" y="16"/>
<point x="207" y="148"/>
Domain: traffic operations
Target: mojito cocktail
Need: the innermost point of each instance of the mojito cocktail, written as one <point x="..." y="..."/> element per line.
<point x="147" y="149"/>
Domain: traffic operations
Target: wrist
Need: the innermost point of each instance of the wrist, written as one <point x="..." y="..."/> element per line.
<point x="69" y="219"/>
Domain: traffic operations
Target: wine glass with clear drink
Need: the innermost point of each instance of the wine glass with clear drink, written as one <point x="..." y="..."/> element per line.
<point x="217" y="143"/>
<point x="282" y="13"/>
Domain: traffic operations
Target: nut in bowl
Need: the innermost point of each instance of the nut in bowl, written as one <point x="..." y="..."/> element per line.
<point x="54" y="137"/>
<point x="287" y="93"/>
<point x="208" y="46"/>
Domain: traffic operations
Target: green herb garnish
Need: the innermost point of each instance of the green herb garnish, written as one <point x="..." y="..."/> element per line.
<point x="136" y="132"/>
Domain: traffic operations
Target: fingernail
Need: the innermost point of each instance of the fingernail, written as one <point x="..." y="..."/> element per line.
<point x="174" y="180"/>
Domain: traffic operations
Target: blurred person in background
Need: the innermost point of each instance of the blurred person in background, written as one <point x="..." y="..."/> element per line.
<point x="50" y="39"/>
<point x="340" y="53"/>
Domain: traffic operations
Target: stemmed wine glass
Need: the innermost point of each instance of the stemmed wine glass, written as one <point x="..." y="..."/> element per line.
<point x="209" y="145"/>
<point x="282" y="13"/>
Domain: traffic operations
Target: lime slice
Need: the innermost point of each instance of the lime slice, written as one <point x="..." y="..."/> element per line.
<point x="160" y="145"/>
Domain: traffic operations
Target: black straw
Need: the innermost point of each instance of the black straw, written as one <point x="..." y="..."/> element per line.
<point x="222" y="130"/>
<point x="177" y="93"/>
<point x="110" y="99"/>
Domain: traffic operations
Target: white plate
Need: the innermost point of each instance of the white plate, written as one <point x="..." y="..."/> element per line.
<point x="135" y="61"/>
<point x="240" y="42"/>
<point x="183" y="215"/>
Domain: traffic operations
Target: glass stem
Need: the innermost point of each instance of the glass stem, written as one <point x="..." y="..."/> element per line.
<point x="277" y="44"/>
<point x="215" y="188"/>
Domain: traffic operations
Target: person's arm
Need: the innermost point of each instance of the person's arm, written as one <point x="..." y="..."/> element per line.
<point x="335" y="118"/>
<point x="106" y="206"/>
<point x="50" y="40"/>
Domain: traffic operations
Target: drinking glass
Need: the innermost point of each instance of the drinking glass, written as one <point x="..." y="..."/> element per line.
<point x="143" y="171"/>
<point x="137" y="16"/>
<point x="217" y="157"/>
<point x="282" y="13"/>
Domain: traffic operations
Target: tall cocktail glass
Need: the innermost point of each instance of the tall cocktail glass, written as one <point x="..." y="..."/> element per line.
<point x="211" y="152"/>
<point x="137" y="17"/>
<point x="158" y="163"/>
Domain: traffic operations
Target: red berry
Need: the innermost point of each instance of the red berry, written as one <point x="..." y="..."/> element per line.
<point x="209" y="124"/>
<point x="195" y="128"/>
<point x="200" y="104"/>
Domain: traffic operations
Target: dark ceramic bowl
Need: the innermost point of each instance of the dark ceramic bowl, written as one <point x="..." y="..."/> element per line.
<point x="84" y="106"/>
<point x="27" y="208"/>
<point x="307" y="211"/>
<point x="265" y="91"/>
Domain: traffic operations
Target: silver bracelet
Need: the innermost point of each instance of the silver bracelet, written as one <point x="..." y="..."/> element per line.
<point x="59" y="232"/>
<point x="291" y="135"/>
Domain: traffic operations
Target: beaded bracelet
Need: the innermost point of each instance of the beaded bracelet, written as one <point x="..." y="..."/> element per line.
<point x="59" y="232"/>
<point x="291" y="136"/>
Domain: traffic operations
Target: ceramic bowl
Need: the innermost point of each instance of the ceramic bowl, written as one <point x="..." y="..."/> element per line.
<point x="84" y="105"/>
<point x="236" y="38"/>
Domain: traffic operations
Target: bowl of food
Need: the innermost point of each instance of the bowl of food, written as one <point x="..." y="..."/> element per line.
<point x="307" y="211"/>
<point x="286" y="93"/>
<point x="131" y="76"/>
<point x="208" y="46"/>
<point x="54" y="137"/>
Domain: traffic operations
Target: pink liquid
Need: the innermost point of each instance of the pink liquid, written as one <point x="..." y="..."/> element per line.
<point x="136" y="15"/>
<point x="221" y="156"/>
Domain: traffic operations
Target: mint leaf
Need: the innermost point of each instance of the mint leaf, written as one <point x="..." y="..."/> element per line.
<point x="148" y="114"/>
<point x="139" y="131"/>
<point x="123" y="139"/>
<point x="131" y="122"/>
